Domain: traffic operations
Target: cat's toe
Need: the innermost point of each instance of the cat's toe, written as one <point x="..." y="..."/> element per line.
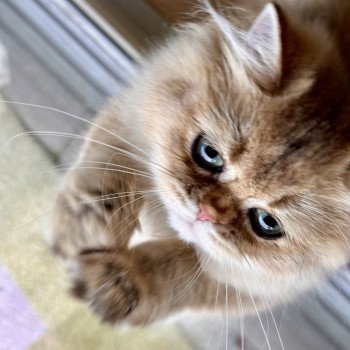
<point x="106" y="283"/>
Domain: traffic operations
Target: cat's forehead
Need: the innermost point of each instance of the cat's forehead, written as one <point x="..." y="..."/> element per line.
<point x="275" y="141"/>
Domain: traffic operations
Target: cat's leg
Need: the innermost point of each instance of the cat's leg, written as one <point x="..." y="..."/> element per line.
<point x="150" y="282"/>
<point x="101" y="198"/>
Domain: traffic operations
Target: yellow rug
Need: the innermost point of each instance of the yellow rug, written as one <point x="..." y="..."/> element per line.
<point x="27" y="190"/>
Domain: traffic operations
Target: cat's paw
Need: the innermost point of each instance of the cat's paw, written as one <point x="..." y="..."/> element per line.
<point x="106" y="280"/>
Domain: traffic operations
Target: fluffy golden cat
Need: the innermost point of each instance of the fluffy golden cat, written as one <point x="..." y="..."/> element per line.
<point x="231" y="149"/>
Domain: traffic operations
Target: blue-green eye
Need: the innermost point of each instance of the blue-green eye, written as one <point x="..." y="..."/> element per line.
<point x="264" y="224"/>
<point x="206" y="156"/>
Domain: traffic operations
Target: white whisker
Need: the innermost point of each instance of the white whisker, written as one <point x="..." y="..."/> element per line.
<point x="63" y="113"/>
<point x="96" y="162"/>
<point x="80" y="137"/>
<point x="215" y="306"/>
<point x="256" y="310"/>
<point x="106" y="169"/>
<point x="226" y="309"/>
<point x="240" y="311"/>
<point x="267" y="303"/>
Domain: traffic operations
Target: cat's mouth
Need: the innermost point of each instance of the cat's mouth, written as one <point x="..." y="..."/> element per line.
<point x="191" y="228"/>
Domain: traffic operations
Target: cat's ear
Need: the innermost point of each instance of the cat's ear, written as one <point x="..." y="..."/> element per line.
<point x="272" y="51"/>
<point x="263" y="43"/>
<point x="260" y="48"/>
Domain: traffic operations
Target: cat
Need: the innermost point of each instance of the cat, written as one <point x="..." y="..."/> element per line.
<point x="231" y="151"/>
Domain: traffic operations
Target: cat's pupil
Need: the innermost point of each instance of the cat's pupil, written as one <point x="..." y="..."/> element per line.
<point x="270" y="221"/>
<point x="211" y="152"/>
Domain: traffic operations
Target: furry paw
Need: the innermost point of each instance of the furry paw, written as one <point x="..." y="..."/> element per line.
<point x="106" y="281"/>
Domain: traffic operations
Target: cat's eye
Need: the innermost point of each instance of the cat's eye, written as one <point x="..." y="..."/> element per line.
<point x="206" y="156"/>
<point x="264" y="224"/>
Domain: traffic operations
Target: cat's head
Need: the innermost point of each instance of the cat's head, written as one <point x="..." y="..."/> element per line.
<point x="251" y="131"/>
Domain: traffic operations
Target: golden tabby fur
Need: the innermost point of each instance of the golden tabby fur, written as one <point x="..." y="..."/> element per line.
<point x="268" y="84"/>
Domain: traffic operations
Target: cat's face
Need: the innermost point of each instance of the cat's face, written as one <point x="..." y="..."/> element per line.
<point x="256" y="177"/>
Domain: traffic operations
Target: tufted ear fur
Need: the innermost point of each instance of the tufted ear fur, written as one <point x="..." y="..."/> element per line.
<point x="260" y="48"/>
<point x="264" y="48"/>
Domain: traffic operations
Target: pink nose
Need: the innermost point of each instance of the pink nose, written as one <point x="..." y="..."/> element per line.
<point x="204" y="214"/>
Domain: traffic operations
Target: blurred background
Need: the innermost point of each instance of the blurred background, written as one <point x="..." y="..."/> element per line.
<point x="65" y="58"/>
